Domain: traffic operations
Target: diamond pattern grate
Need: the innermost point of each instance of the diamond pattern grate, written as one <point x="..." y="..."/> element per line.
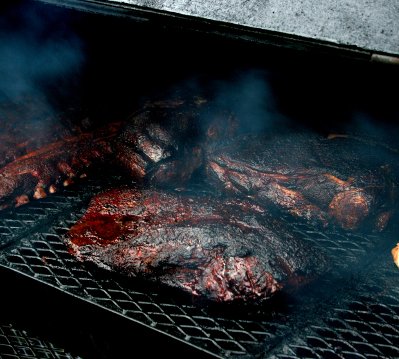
<point x="18" y="344"/>
<point x="45" y="258"/>
<point x="316" y="323"/>
<point x="366" y="325"/>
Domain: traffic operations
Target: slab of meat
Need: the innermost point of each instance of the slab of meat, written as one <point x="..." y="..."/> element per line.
<point x="28" y="124"/>
<point x="221" y="250"/>
<point x="163" y="142"/>
<point x="56" y="164"/>
<point x="41" y="150"/>
<point x="336" y="180"/>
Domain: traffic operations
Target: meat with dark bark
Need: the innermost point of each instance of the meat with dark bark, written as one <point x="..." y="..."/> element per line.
<point x="344" y="180"/>
<point x="339" y="179"/>
<point x="54" y="165"/>
<point x="221" y="250"/>
<point x="40" y="151"/>
<point x="28" y="124"/>
<point x="323" y="180"/>
<point x="163" y="143"/>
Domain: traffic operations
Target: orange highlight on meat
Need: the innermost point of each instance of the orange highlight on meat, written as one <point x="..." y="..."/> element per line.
<point x="395" y="255"/>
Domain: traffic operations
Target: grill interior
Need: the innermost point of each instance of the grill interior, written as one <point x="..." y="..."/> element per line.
<point x="350" y="312"/>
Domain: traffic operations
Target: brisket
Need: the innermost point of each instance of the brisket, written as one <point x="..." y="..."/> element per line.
<point x="221" y="250"/>
<point x="339" y="180"/>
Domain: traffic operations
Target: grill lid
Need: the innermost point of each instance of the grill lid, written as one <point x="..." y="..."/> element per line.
<point x="361" y="29"/>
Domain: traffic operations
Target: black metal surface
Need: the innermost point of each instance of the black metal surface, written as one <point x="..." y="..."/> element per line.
<point x="352" y="311"/>
<point x="19" y="344"/>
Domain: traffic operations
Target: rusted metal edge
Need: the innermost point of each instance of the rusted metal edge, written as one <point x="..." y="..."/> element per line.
<point x="385" y="59"/>
<point x="226" y="30"/>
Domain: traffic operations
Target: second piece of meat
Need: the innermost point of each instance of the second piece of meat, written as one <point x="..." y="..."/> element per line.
<point x="340" y="180"/>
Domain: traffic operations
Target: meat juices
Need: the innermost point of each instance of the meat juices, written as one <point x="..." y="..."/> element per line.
<point x="220" y="250"/>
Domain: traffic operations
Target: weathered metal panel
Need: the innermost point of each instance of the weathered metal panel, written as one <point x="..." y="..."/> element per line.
<point x="368" y="24"/>
<point x="364" y="26"/>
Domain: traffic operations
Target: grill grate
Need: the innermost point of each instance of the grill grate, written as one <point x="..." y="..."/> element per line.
<point x="18" y="344"/>
<point x="346" y="314"/>
<point x="365" y="325"/>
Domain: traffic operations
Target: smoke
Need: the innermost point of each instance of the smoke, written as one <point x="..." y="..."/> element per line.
<point x="245" y="93"/>
<point x="365" y="124"/>
<point x="250" y="97"/>
<point x="38" y="52"/>
<point x="26" y="65"/>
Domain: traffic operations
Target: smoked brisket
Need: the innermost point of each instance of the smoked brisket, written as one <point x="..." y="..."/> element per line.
<point x="339" y="180"/>
<point x="216" y="249"/>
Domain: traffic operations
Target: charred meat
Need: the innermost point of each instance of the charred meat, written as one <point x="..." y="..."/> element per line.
<point x="221" y="250"/>
<point x="54" y="165"/>
<point x="152" y="144"/>
<point x="163" y="143"/>
<point x="338" y="180"/>
<point x="28" y="124"/>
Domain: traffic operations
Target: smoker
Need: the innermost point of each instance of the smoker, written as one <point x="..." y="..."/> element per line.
<point x="96" y="61"/>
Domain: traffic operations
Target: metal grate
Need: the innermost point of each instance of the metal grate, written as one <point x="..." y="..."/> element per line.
<point x="290" y="326"/>
<point x="18" y="344"/>
<point x="365" y="325"/>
